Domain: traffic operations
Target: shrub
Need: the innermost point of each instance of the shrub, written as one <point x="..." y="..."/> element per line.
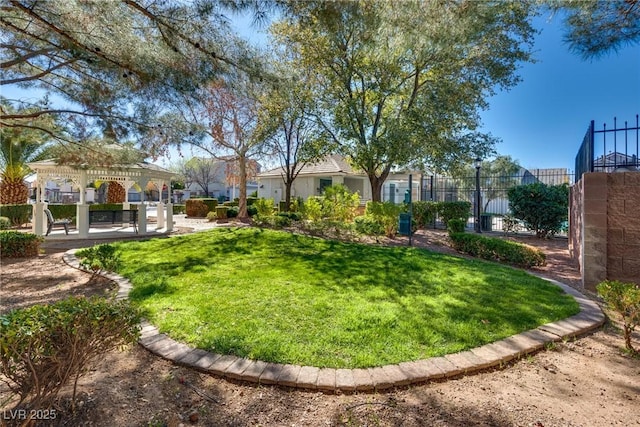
<point x="233" y="211"/>
<point x="251" y="200"/>
<point x="252" y="210"/>
<point x="386" y="214"/>
<point x="543" y="208"/>
<point x="230" y="204"/>
<point x="451" y="210"/>
<point x="312" y="209"/>
<point x="265" y="207"/>
<point x="196" y="208"/>
<point x="624" y="299"/>
<point x="366" y="224"/>
<point x="43" y="348"/>
<point x="424" y="212"/>
<point x="494" y="249"/>
<point x="221" y="212"/>
<point x="14" y="244"/>
<point x="338" y="204"/>
<point x="98" y="259"/>
<point x="17" y="214"/>
<point x="280" y="220"/>
<point x="211" y="203"/>
<point x="456" y="225"/>
<point x="179" y="209"/>
<point x="5" y="223"/>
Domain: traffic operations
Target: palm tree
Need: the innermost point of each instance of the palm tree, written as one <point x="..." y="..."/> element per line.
<point x="17" y="148"/>
<point x="21" y="142"/>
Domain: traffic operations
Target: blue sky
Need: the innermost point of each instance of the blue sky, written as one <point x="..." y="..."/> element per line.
<point x="543" y="119"/>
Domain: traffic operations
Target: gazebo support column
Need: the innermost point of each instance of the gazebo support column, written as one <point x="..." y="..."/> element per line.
<point x="38" y="223"/>
<point x="160" y="214"/>
<point x="82" y="209"/>
<point x="169" y="208"/>
<point x="142" y="209"/>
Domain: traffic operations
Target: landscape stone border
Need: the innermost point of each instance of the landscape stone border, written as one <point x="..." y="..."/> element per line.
<point x="371" y="379"/>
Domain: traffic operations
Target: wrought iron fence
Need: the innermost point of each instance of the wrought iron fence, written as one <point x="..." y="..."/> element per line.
<point x="494" y="202"/>
<point x="609" y="150"/>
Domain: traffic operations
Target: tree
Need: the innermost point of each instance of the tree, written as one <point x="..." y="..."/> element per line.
<point x="226" y="118"/>
<point x="201" y="171"/>
<point x="402" y="83"/>
<point x="543" y="208"/>
<point x="118" y="64"/>
<point x="597" y="27"/>
<point x="288" y="124"/>
<point x="18" y="146"/>
<point x="496" y="177"/>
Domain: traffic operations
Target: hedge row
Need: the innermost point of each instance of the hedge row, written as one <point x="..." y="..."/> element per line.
<point x="14" y="244"/>
<point x="494" y="249"/>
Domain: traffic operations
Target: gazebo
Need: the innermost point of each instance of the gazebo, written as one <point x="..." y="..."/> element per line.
<point x="80" y="176"/>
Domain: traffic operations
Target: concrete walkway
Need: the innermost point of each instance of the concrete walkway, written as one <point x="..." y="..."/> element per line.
<point x="380" y="378"/>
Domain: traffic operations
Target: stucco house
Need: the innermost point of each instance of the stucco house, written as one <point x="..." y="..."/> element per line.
<point x="333" y="169"/>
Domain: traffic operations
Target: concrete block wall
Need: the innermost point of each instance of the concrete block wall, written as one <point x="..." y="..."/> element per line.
<point x="605" y="227"/>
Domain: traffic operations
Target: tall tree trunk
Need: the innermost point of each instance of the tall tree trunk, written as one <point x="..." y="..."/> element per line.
<point x="287" y="194"/>
<point x="242" y="200"/>
<point x="376" y="183"/>
<point x="376" y="188"/>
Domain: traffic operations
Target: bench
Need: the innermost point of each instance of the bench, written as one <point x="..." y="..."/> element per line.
<point x="113" y="217"/>
<point x="51" y="222"/>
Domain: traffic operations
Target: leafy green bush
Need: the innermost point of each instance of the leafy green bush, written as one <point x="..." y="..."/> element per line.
<point x="231" y="203"/>
<point x="251" y="200"/>
<point x="424" y="213"/>
<point x="338" y="204"/>
<point x="98" y="259"/>
<point x="44" y="348"/>
<point x="366" y="224"/>
<point x="451" y="210"/>
<point x="265" y="207"/>
<point x="211" y="203"/>
<point x="5" y="223"/>
<point x="197" y="208"/>
<point x="312" y="209"/>
<point x="17" y="214"/>
<point x="386" y="214"/>
<point x="14" y="244"/>
<point x="456" y="225"/>
<point x="221" y="212"/>
<point x="624" y="299"/>
<point x="500" y="250"/>
<point x="543" y="208"/>
<point x="233" y="211"/>
<point x="179" y="209"/>
<point x="252" y="210"/>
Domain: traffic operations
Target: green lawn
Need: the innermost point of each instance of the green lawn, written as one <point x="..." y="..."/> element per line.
<point x="286" y="298"/>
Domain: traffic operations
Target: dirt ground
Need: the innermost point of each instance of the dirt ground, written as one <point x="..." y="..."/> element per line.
<point x="586" y="382"/>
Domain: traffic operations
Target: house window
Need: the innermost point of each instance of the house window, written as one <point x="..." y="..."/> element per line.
<point x="323" y="184"/>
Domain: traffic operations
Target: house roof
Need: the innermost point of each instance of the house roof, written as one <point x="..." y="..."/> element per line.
<point x="333" y="164"/>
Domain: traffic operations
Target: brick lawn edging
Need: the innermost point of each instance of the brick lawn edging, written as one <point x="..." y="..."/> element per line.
<point x="370" y="379"/>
